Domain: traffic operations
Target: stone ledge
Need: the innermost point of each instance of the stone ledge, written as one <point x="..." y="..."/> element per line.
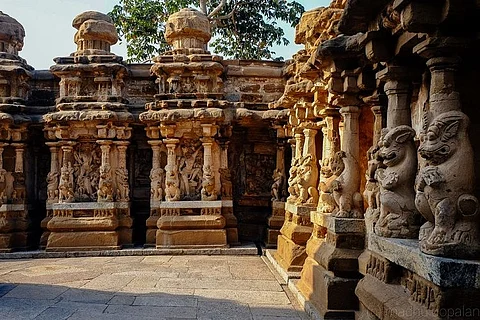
<point x="443" y="272"/>
<point x="338" y="225"/>
<point x="89" y="205"/>
<point x="243" y="250"/>
<point x="300" y="210"/>
<point x="285" y="275"/>
<point x="12" y="207"/>
<point x="190" y="204"/>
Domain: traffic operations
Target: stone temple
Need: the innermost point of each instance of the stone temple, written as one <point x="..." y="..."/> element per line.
<point x="355" y="163"/>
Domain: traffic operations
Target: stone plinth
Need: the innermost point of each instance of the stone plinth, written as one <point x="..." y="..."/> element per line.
<point x="330" y="275"/>
<point x="275" y="223"/>
<point x="295" y="232"/>
<point x="14" y="233"/>
<point x="401" y="281"/>
<point x="189" y="224"/>
<point x="88" y="226"/>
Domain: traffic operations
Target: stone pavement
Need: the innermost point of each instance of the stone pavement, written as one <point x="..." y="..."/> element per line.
<point x="144" y="287"/>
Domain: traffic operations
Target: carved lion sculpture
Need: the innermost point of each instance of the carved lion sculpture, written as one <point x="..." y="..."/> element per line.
<point x="345" y="188"/>
<point x="445" y="189"/>
<point x="398" y="215"/>
<point x="209" y="193"/>
<point x="293" y="189"/>
<point x="105" y="185"/>
<point x="307" y="181"/>
<point x="172" y="184"/>
<point x="328" y="175"/>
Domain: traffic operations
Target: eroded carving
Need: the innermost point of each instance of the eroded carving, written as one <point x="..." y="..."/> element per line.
<point x="349" y="202"/>
<point x="277" y="186"/>
<point x="444" y="188"/>
<point x="172" y="184"/>
<point x="398" y="215"/>
<point x="209" y="193"/>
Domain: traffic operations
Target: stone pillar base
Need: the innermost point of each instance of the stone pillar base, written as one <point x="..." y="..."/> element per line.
<point x="275" y="223"/>
<point x="401" y="282"/>
<point x="151" y="229"/>
<point x="332" y="296"/>
<point x="290" y="256"/>
<point x="191" y="238"/>
<point x="89" y="226"/>
<point x="14" y="224"/>
<point x="84" y="241"/>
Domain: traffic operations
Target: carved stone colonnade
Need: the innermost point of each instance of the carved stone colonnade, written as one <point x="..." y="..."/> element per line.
<point x="386" y="96"/>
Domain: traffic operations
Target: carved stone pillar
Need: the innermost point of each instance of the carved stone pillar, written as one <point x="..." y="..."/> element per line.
<point x="398" y="217"/>
<point x="209" y="190"/>
<point x="346" y="188"/>
<point x="122" y="194"/>
<point x="331" y="145"/>
<point x="446" y="181"/>
<point x="303" y="181"/>
<point x="105" y="184"/>
<point x="157" y="191"/>
<point x="276" y="220"/>
<point x="52" y="189"/>
<point x="65" y="186"/>
<point x="172" y="182"/>
<point x="226" y="192"/>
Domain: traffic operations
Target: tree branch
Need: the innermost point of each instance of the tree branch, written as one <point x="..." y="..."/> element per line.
<point x="228" y="16"/>
<point x="217" y="9"/>
<point x="203" y="6"/>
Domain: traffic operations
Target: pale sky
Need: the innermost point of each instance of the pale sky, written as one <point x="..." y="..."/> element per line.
<point x="49" y="31"/>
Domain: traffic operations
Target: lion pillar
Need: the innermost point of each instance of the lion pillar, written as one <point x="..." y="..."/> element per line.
<point x="445" y="184"/>
<point x="398" y="217"/>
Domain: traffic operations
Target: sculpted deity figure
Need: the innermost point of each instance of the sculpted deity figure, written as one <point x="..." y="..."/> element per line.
<point x="277" y="186"/>
<point x="52" y="186"/>
<point x="398" y="215"/>
<point x="348" y="200"/>
<point x="105" y="185"/>
<point x="172" y="183"/>
<point x="157" y="178"/>
<point x="65" y="186"/>
<point x="190" y="169"/>
<point x="209" y="193"/>
<point x="371" y="194"/>
<point x="226" y="181"/>
<point x="307" y="181"/>
<point x="123" y="188"/>
<point x="445" y="187"/>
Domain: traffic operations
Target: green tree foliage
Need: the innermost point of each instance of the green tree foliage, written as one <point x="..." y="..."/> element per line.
<point x="243" y="29"/>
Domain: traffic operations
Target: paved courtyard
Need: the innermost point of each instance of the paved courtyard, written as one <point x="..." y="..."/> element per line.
<point x="144" y="287"/>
